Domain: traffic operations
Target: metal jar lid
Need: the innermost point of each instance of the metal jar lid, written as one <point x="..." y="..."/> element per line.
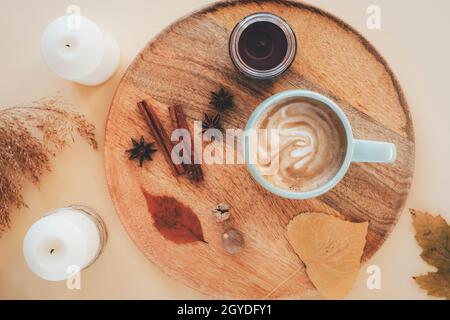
<point x="255" y="73"/>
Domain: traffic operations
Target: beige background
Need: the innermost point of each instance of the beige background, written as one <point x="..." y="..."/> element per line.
<point x="414" y="40"/>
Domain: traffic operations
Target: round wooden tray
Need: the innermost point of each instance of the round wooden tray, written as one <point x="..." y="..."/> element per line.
<point x="182" y="66"/>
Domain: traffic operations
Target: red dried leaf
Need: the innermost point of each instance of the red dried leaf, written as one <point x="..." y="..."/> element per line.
<point x="175" y="221"/>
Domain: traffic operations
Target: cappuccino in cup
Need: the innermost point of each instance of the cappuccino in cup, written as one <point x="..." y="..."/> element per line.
<point x="299" y="144"/>
<point x="310" y="147"/>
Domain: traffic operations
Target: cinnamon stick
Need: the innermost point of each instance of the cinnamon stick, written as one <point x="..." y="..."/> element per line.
<point x="194" y="171"/>
<point x="160" y="135"/>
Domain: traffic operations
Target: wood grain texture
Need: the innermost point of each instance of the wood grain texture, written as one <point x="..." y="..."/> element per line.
<point x="182" y="66"/>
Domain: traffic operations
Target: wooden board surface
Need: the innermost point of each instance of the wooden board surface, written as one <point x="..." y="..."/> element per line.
<point x="183" y="65"/>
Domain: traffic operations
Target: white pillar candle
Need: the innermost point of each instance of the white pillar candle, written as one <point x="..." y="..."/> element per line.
<point x="67" y="237"/>
<point x="76" y="49"/>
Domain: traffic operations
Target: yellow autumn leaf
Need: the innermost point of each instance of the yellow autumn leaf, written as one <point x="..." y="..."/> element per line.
<point x="331" y="249"/>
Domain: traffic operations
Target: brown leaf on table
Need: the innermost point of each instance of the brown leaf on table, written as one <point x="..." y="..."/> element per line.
<point x="175" y="221"/>
<point x="433" y="235"/>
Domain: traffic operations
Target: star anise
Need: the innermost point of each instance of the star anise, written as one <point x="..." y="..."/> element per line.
<point x="221" y="100"/>
<point x="211" y="122"/>
<point x="141" y="150"/>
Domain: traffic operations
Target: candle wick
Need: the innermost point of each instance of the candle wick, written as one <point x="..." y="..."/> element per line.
<point x="68" y="45"/>
<point x="51" y="251"/>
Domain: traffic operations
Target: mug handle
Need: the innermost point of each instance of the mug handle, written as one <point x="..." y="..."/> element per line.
<point x="374" y="151"/>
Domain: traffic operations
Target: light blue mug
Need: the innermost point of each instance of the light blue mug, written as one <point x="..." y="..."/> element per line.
<point x="357" y="150"/>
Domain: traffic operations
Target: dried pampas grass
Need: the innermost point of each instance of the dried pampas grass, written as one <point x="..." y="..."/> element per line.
<point x="30" y="134"/>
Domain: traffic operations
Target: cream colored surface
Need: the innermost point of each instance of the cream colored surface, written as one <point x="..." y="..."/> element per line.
<point x="413" y="39"/>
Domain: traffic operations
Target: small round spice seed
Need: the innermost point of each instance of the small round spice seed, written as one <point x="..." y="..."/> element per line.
<point x="221" y="212"/>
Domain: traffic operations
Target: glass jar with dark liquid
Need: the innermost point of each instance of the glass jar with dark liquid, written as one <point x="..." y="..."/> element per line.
<point x="262" y="46"/>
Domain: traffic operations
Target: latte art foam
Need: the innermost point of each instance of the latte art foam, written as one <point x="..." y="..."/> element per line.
<point x="311" y="144"/>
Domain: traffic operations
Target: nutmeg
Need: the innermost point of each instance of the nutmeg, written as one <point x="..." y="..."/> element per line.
<point x="233" y="241"/>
